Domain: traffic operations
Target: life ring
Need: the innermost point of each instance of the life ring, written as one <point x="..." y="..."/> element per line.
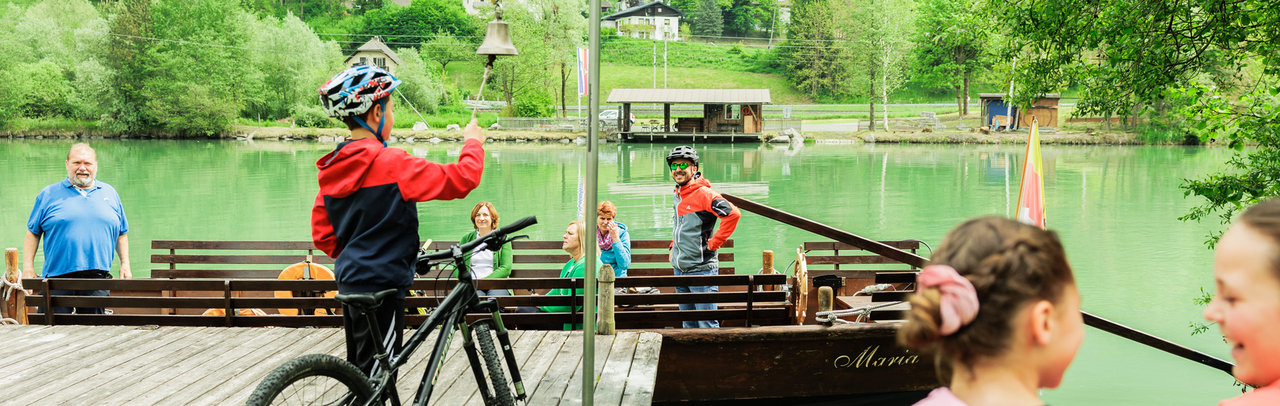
<point x="304" y="270"/>
<point x="242" y="312"/>
<point x="800" y="286"/>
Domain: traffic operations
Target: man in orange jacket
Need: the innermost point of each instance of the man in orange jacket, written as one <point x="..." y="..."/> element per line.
<point x="693" y="246"/>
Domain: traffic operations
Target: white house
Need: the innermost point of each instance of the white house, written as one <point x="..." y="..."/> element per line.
<point x="655" y="20"/>
<point x="375" y="53"/>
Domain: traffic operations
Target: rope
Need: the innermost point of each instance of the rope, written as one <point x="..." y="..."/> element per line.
<point x="864" y="312"/>
<point x="9" y="288"/>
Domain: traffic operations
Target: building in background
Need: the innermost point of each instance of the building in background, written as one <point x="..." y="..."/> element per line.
<point x="656" y="21"/>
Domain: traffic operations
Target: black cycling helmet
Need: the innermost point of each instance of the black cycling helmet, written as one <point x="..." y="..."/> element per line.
<point x="685" y="152"/>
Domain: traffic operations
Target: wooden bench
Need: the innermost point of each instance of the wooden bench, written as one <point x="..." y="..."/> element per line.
<point x="858" y="268"/>
<point x="752" y="306"/>
<point x="265" y="259"/>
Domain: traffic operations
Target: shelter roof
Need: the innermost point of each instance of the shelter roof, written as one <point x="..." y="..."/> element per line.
<point x="691" y="96"/>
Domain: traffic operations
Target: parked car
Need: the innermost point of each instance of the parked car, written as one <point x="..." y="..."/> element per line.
<point x="610" y="118"/>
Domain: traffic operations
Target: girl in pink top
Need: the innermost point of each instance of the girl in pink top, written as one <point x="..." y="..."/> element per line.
<point x="999" y="308"/>
<point x="1246" y="270"/>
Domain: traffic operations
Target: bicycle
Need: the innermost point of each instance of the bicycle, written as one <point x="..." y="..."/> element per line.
<point x="329" y="380"/>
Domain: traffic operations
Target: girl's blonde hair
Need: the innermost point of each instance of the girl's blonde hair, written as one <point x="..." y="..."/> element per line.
<point x="1265" y="219"/>
<point x="582" y="233"/>
<point x="1010" y="265"/>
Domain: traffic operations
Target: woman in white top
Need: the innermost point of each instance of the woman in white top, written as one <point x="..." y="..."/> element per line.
<point x="486" y="264"/>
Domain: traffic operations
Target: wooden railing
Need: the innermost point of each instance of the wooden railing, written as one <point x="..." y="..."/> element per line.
<point x="140" y="301"/>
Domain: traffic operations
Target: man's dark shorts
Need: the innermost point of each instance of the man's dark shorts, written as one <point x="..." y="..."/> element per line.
<point x="87" y="274"/>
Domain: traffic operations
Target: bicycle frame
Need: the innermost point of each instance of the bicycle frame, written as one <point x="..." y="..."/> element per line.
<point x="450" y="315"/>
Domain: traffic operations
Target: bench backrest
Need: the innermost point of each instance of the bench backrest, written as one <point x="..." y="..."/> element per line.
<point x="143" y="301"/>
<point x="265" y="259"/>
<point x="858" y="267"/>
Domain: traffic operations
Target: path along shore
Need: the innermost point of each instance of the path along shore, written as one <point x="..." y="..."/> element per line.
<point x="972" y="136"/>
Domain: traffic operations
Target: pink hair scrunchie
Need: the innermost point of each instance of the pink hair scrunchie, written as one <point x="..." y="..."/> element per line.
<point x="959" y="301"/>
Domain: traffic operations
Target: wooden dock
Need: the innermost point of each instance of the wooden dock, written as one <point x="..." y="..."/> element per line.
<point x="116" y="365"/>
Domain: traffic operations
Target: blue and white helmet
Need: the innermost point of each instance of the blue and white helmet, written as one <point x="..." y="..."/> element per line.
<point x="353" y="91"/>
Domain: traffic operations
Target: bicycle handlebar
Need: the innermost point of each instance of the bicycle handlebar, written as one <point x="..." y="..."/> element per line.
<point x="499" y="235"/>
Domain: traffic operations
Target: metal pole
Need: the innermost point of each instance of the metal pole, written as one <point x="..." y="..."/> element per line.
<point x="593" y="160"/>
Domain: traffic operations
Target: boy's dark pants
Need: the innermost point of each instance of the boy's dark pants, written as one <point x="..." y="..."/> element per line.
<point x="389" y="318"/>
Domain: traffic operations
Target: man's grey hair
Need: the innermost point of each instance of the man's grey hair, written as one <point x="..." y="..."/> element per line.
<point x="81" y="145"/>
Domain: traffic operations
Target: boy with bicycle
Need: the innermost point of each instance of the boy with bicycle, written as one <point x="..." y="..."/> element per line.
<point x="364" y="215"/>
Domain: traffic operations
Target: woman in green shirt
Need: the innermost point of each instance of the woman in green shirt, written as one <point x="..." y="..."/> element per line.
<point x="486" y="264"/>
<point x="575" y="237"/>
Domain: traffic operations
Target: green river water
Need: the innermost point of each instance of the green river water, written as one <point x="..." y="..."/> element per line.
<point x="1116" y="209"/>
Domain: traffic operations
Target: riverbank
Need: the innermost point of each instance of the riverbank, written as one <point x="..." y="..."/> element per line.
<point x="971" y="136"/>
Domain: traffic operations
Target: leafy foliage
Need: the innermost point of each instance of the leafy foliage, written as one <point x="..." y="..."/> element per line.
<point x="311" y="115"/>
<point x="954" y="43"/>
<point x="815" y="62"/>
<point x="405" y="26"/>
<point x="1197" y="54"/>
<point x="705" y="18"/>
<point x="546" y="33"/>
<point x="420" y="84"/>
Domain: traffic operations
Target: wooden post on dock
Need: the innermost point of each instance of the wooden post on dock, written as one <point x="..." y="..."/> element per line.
<point x="15" y="303"/>
<point x="606" y="325"/>
<point x="825" y="296"/>
<point x="767" y="268"/>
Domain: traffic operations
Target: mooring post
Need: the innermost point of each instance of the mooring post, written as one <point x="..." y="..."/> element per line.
<point x="606" y="325"/>
<point x="825" y="296"/>
<point x="767" y="268"/>
<point x="15" y="303"/>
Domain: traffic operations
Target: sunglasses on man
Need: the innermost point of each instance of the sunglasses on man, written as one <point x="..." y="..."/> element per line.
<point x="680" y="165"/>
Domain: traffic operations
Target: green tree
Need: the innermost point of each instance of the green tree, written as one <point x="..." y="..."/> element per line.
<point x="445" y="49"/>
<point x="546" y="33"/>
<point x="880" y="32"/>
<point x="289" y="62"/>
<point x="180" y="66"/>
<point x="816" y="59"/>
<point x="421" y="86"/>
<point x="408" y="25"/>
<point x="750" y="18"/>
<point x="50" y="60"/>
<point x="706" y="18"/>
<point x="126" y="51"/>
<point x="953" y="44"/>
<point x="1215" y="59"/>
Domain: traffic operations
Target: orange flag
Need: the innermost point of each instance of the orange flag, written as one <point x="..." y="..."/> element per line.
<point x="1031" y="198"/>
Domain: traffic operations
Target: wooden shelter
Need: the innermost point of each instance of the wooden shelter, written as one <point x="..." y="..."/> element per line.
<point x="998" y="112"/>
<point x="727" y="114"/>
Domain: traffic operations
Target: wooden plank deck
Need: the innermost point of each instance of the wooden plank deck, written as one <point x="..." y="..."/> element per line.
<point x="116" y="365"/>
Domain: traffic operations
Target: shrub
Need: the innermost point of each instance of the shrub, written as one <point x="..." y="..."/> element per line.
<point x="533" y="104"/>
<point x="307" y="115"/>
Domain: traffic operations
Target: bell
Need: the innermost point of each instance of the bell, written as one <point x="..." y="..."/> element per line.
<point x="497" y="40"/>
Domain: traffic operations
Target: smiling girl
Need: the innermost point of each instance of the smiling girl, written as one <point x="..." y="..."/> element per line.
<point x="1246" y="270"/>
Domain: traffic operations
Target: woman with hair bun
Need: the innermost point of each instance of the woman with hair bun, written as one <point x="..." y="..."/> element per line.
<point x="999" y="308"/>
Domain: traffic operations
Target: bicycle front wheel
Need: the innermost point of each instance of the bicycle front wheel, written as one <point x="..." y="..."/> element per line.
<point x="313" y="379"/>
<point x="493" y="362"/>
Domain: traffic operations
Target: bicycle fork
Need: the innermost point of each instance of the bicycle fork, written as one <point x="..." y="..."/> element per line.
<point x="504" y="340"/>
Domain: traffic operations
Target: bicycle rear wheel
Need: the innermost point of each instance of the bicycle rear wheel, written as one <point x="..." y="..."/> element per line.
<point x="493" y="362"/>
<point x="313" y="379"/>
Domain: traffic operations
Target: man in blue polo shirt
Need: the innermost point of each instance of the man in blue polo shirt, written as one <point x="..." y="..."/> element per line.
<point x="83" y="225"/>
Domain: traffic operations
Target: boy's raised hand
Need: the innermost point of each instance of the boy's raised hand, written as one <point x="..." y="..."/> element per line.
<point x="473" y="131"/>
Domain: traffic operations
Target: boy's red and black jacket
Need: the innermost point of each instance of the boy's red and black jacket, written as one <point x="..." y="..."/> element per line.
<point x="365" y="215"/>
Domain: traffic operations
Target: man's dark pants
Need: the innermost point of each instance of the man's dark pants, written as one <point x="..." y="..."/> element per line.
<point x="86" y="274"/>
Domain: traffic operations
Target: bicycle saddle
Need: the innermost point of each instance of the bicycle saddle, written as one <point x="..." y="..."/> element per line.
<point x="364" y="300"/>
